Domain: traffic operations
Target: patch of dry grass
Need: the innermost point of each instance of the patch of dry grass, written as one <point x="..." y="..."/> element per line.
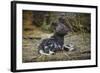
<point x="82" y="49"/>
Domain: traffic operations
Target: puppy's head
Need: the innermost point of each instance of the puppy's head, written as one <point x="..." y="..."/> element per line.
<point x="60" y="27"/>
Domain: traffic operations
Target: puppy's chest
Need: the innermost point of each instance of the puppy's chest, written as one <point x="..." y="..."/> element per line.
<point x="54" y="43"/>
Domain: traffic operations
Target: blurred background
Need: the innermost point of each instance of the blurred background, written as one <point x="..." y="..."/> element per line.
<point x="37" y="25"/>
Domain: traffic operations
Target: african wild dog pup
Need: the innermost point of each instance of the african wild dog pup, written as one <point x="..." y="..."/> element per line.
<point x="54" y="43"/>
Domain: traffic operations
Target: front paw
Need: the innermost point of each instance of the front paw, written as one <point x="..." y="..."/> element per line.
<point x="69" y="47"/>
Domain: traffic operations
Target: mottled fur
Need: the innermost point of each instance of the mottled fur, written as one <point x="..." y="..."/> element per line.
<point x="55" y="42"/>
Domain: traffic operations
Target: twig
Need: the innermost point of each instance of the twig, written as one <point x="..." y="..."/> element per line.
<point x="65" y="54"/>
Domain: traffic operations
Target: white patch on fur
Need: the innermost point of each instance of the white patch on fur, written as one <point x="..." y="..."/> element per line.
<point x="59" y="46"/>
<point x="51" y="52"/>
<point x="45" y="47"/>
<point x="42" y="52"/>
<point x="51" y="45"/>
<point x="55" y="45"/>
<point x="70" y="47"/>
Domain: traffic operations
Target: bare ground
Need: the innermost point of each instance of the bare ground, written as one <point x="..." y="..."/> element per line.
<point x="80" y="41"/>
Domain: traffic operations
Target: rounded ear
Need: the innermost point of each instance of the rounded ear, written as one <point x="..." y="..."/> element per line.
<point x="61" y="20"/>
<point x="54" y="25"/>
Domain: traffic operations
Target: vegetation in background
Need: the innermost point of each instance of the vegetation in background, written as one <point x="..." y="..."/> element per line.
<point x="37" y="25"/>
